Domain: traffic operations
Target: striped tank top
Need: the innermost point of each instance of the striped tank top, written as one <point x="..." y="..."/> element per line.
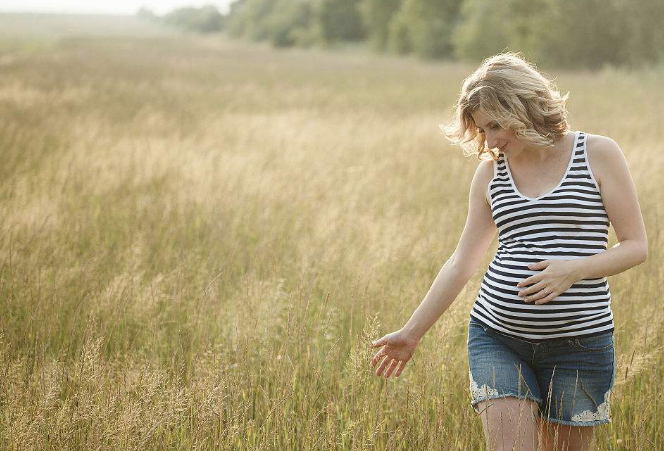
<point x="569" y="222"/>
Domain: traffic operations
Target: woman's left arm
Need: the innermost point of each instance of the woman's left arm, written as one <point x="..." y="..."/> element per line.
<point x="622" y="206"/>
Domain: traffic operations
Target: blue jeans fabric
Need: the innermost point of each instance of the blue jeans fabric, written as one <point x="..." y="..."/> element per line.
<point x="570" y="379"/>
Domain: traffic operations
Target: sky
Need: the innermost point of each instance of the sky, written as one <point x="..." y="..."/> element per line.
<point x="103" y="6"/>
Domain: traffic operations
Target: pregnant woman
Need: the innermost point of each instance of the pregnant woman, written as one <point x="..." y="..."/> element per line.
<point x="540" y="335"/>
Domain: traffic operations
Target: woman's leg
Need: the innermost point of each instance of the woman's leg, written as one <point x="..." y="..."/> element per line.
<point x="509" y="423"/>
<point x="579" y="374"/>
<point x="559" y="437"/>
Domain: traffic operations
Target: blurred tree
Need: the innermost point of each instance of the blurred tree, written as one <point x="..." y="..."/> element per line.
<point x="291" y="24"/>
<point x="145" y="13"/>
<point x="561" y="33"/>
<point x="528" y="27"/>
<point x="250" y="19"/>
<point x="482" y="30"/>
<point x="376" y="16"/>
<point x="426" y="27"/>
<point x="399" y="40"/>
<point x="644" y="32"/>
<point x="588" y="33"/>
<point x="339" y="20"/>
<point x="206" y="19"/>
<point x="296" y="22"/>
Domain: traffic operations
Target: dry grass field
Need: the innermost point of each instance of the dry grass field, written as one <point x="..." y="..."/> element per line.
<point x="199" y="238"/>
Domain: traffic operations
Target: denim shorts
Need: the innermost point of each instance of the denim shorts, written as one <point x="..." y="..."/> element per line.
<point x="570" y="379"/>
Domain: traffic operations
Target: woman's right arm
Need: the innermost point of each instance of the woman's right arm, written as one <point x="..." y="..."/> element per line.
<point x="475" y="240"/>
<point x="477" y="235"/>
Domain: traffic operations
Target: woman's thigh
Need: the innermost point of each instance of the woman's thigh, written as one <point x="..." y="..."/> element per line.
<point x="575" y="377"/>
<point x="559" y="437"/>
<point x="509" y="423"/>
<point x="498" y="367"/>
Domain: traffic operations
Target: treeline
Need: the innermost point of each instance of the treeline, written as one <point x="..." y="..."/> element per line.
<point x="205" y="19"/>
<point x="568" y="33"/>
<point x="560" y="33"/>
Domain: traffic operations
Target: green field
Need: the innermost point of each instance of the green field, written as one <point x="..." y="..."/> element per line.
<point x="199" y="238"/>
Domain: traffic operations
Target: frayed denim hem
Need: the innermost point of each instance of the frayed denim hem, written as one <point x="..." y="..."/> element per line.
<point x="490" y="397"/>
<point x="577" y="423"/>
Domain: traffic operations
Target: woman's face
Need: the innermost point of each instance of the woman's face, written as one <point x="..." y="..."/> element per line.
<point x="495" y="136"/>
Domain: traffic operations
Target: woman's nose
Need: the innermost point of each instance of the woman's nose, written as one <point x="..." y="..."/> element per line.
<point x="491" y="142"/>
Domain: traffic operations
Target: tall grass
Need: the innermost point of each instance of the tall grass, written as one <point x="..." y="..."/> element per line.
<point x="198" y="239"/>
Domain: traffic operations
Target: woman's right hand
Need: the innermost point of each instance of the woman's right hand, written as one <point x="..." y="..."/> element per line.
<point x="397" y="349"/>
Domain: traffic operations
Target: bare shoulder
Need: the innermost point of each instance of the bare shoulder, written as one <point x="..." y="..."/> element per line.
<point x="483" y="176"/>
<point x="603" y="154"/>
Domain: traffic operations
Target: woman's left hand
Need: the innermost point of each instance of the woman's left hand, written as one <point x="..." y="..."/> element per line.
<point x="555" y="278"/>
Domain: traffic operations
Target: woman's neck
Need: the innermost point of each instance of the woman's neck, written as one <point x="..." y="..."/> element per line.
<point x="539" y="156"/>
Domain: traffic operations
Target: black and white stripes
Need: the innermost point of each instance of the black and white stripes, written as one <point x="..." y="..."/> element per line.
<point x="567" y="223"/>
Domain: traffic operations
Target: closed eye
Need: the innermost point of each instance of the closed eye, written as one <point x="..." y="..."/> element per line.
<point x="492" y="126"/>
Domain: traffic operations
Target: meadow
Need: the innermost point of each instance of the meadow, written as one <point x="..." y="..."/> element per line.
<point x="199" y="238"/>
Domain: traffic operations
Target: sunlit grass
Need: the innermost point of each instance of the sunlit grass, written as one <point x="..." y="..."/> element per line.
<point x="198" y="238"/>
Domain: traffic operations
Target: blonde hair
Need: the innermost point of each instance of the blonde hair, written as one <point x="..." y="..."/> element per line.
<point x="512" y="92"/>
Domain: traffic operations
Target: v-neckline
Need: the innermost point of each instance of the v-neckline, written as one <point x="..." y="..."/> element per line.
<point x="569" y="165"/>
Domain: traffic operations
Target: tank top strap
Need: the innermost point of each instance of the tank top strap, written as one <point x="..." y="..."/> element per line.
<point x="580" y="172"/>
<point x="500" y="169"/>
<point x="580" y="149"/>
<point x="499" y="186"/>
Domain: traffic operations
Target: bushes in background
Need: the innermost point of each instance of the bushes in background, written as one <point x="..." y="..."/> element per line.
<point x="561" y="33"/>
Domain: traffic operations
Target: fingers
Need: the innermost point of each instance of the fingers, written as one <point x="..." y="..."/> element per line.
<point x="393" y="366"/>
<point x="403" y="363"/>
<point x="538" y="291"/>
<point x="548" y="298"/>
<point x="380" y="342"/>
<point x="528" y="293"/>
<point x="541" y="297"/>
<point x="382" y="366"/>
<point x="388" y="363"/>
<point x="530" y="280"/>
<point x="524" y="282"/>
<point x="377" y="358"/>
